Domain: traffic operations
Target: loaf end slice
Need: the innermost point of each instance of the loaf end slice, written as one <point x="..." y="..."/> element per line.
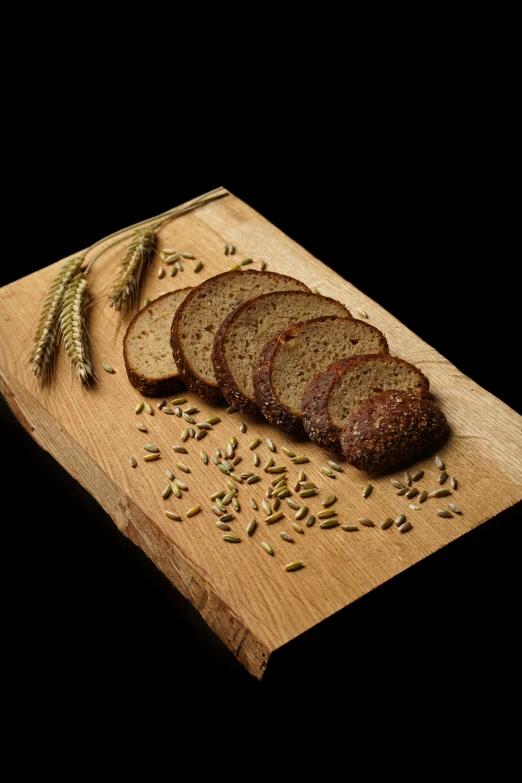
<point x="335" y="393"/>
<point x="288" y="363"/>
<point x="198" y="319"/>
<point x="146" y="347"/>
<point x="390" y="429"/>
<point x="244" y="333"/>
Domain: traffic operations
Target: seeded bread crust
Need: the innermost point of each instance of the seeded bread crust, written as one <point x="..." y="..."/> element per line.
<point x="152" y="387"/>
<point x="314" y="406"/>
<point x="389" y="429"/>
<point x="225" y="379"/>
<point x="200" y="386"/>
<point x="268" y="402"/>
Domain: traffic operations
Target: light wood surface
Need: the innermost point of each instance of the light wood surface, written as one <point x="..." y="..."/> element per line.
<point x="245" y="595"/>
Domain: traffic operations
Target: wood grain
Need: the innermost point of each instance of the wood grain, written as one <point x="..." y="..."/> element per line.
<point x="245" y="595"/>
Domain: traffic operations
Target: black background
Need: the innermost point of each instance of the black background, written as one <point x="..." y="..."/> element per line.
<point x="390" y="152"/>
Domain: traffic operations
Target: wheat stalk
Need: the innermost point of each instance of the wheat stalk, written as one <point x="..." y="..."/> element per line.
<point x="126" y="290"/>
<point x="73" y="314"/>
<point x="47" y="332"/>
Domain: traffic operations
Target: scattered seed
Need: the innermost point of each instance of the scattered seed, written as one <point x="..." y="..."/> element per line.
<point x="231" y="250"/>
<point x="441" y="478"/>
<point x="310" y="521"/>
<point x="146" y="302"/>
<point x="267" y="547"/>
<point x="386" y="523"/>
<point x="178" y="401"/>
<point x="397" y="484"/>
<point x="246" y="261"/>
<point x="228" y="517"/>
<point x="151" y="457"/>
<point x="222" y="468"/>
<point x="288" y="452"/>
<point x="255" y="443"/>
<point x="350" y="528"/>
<point x="173" y="515"/>
<point x="180" y="484"/>
<point x="330" y="512"/>
<point x="178" y="411"/>
<point x="262" y="266"/>
<point x="286" y="537"/>
<point x="300" y="460"/>
<point x="295" y="566"/>
<point x="179" y="265"/>
<point x="255" y="459"/>
<point x="422" y="496"/>
<point x="236" y="477"/>
<point x="169" y="474"/>
<point x="204" y="457"/>
<point x="292" y="503"/>
<point x="276" y="503"/>
<point x="412" y="492"/>
<point x="221" y="505"/>
<point x="242" y="427"/>
<point x="329" y="523"/>
<point x="231" y="485"/>
<point x="183" y="467"/>
<point x="284" y="494"/>
<point x="253" y="479"/>
<point x="167" y="410"/>
<point x="405" y="527"/>
<point x="161" y="272"/>
<point x="201" y="434"/>
<point x="442" y="512"/>
<point x="151" y="447"/>
<point x="403" y="491"/>
<point x="188" y="417"/>
<point x="251" y="527"/>
<point x="222" y="525"/>
<point x="297" y="528"/>
<point x="439" y="493"/>
<point x="139" y="407"/>
<point x="176" y="489"/>
<point x="198" y="266"/>
<point x="235" y="504"/>
<point x="228" y="465"/>
<point x="180" y="449"/>
<point x="454" y="508"/>
<point x="315" y="290"/>
<point x="335" y="466"/>
<point x="366" y="522"/>
<point x="301" y="476"/>
<point x="132" y="462"/>
<point x="220" y="494"/>
<point x="265" y="505"/>
<point x="215" y="459"/>
<point x="148" y="408"/>
<point x="253" y="504"/>
<point x="406" y="478"/>
<point x="308" y="493"/>
<point x="367" y="490"/>
<point x="415" y="508"/>
<point x="270" y="444"/>
<point x="236" y="461"/>
<point x="217" y="511"/>
<point x="173" y="271"/>
<point x="453" y="482"/>
<point x="439" y="462"/>
<point x="327" y="472"/>
<point x="417" y="475"/>
<point x="107" y="367"/>
<point x="274" y="517"/>
<point x="329" y="500"/>
<point x="276" y="469"/>
<point x="167" y="492"/>
<point x="268" y="464"/>
<point x="225" y="249"/>
<point x="400" y="520"/>
<point x="302" y="512"/>
<point x="232" y="539"/>
<point x="160" y="405"/>
<point x="362" y="312"/>
<point x="231" y="409"/>
<point x="194" y="510"/>
<point x="228" y="497"/>
<point x="192" y="432"/>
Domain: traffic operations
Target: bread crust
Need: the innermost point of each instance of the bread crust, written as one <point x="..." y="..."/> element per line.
<point x="151" y="387"/>
<point x="314" y="406"/>
<point x="225" y="379"/>
<point x="196" y="384"/>
<point x="389" y="429"/>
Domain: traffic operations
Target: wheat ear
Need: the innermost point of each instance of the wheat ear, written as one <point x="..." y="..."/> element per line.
<point x="47" y="333"/>
<point x="126" y="290"/>
<point x="75" y="307"/>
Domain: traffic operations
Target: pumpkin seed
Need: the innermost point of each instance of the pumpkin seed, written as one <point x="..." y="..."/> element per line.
<point x="268" y="464"/>
<point x="139" y="407"/>
<point x="167" y="492"/>
<point x="178" y="401"/>
<point x="220" y="494"/>
<point x="246" y="261"/>
<point x="327" y="513"/>
<point x="198" y="266"/>
<point x="300" y="476"/>
<point x="276" y="469"/>
<point x="308" y="493"/>
<point x="296" y="527"/>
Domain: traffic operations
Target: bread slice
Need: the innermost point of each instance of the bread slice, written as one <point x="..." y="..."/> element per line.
<point x="198" y="319"/>
<point x="390" y="429"/>
<point x="289" y="362"/>
<point x="146" y="347"/>
<point x="335" y="393"/>
<point x="245" y="332"/>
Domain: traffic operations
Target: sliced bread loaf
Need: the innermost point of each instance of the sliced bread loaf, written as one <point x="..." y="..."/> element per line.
<point x="146" y="347"/>
<point x="390" y="429"/>
<point x="335" y="393"/>
<point x="289" y="362"/>
<point x="198" y="319"/>
<point x="244" y="333"/>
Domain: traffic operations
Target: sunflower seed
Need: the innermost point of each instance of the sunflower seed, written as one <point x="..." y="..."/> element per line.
<point x="300" y="460"/>
<point x="329" y="500"/>
<point x="148" y="408"/>
<point x="292" y="503"/>
<point x="366" y="522"/>
<point x="442" y="512"/>
<point x="422" y="496"/>
<point x="245" y="475"/>
<point x="231" y="485"/>
<point x="169" y="474"/>
<point x="174" y="270"/>
<point x="167" y="492"/>
<point x="194" y="510"/>
<point x="236" y="461"/>
<point x="441" y="478"/>
<point x="367" y="490"/>
<point x="295" y="566"/>
<point x="327" y="472"/>
<point x="183" y="467"/>
<point x="439" y="493"/>
<point x="228" y="465"/>
<point x="406" y="478"/>
<point x="132" y="462"/>
<point x="288" y="452"/>
<point x="284" y="494"/>
<point x="400" y="520"/>
<point x="350" y="528"/>
<point x="215" y="459"/>
<point x="180" y="484"/>
<point x="267" y="547"/>
<point x="310" y="521"/>
<point x="107" y="367"/>
<point x="329" y="523"/>
<point x="242" y="427"/>
<point x="139" y="407"/>
<point x="151" y="457"/>
<point x="251" y="527"/>
<point x="253" y="479"/>
<point x="276" y="504"/>
<point x="246" y="261"/>
<point x="201" y="434"/>
<point x="222" y="525"/>
<point x="417" y="475"/>
<point x="415" y="508"/>
<point x="262" y="266"/>
<point x="405" y="527"/>
<point x="386" y="523"/>
<point x="274" y="517"/>
<point x="141" y="427"/>
<point x="302" y="512"/>
<point x="301" y="476"/>
<point x="308" y="493"/>
<point x="172" y="515"/>
<point x="397" y="484"/>
<point x="255" y="459"/>
<point x="270" y="444"/>
<point x="276" y="469"/>
<point x="184" y="435"/>
<point x="286" y="537"/>
<point x="330" y="512"/>
<point x="231" y="538"/>
<point x="279" y="489"/>
<point x="412" y="492"/>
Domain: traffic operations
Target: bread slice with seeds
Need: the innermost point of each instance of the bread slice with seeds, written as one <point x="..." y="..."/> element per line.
<point x="288" y="363"/>
<point x="390" y="429"/>
<point x="198" y="319"/>
<point x="337" y="391"/>
<point x="245" y="332"/>
<point x="146" y="347"/>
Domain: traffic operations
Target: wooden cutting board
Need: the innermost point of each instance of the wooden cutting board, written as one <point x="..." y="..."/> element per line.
<point x="245" y="595"/>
